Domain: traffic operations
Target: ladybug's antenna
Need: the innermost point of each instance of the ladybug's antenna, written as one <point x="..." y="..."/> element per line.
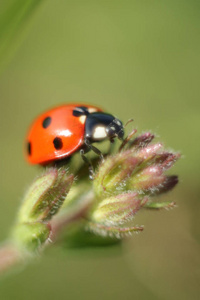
<point x="127" y="139"/>
<point x="124" y="126"/>
<point x="129" y="136"/>
<point x="129" y="121"/>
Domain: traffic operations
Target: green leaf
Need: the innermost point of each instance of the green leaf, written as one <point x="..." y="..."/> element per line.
<point x="118" y="209"/>
<point x="77" y="237"/>
<point x="13" y="21"/>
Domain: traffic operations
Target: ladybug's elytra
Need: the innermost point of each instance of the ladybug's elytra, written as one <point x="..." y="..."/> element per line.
<point x="61" y="131"/>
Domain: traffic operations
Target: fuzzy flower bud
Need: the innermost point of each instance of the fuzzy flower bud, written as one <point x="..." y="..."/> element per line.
<point x="41" y="202"/>
<point x="126" y="182"/>
<point x="138" y="168"/>
<point x="151" y="180"/>
<point x="117" y="210"/>
<point x="142" y="140"/>
<point x="45" y="196"/>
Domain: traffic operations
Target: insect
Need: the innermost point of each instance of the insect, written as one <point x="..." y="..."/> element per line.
<point x="60" y="132"/>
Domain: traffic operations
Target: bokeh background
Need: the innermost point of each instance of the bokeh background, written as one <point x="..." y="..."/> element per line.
<point x="136" y="59"/>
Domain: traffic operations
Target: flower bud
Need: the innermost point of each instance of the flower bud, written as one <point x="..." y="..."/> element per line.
<point x="118" y="209"/>
<point x="142" y="141"/>
<point x="166" y="159"/>
<point x="116" y="171"/>
<point x="140" y="169"/>
<point x="148" y="179"/>
<point x="126" y="182"/>
<point x="169" y="183"/>
<point x="113" y="173"/>
<point x="45" y="196"/>
<point x="151" y="179"/>
<point x="149" y="152"/>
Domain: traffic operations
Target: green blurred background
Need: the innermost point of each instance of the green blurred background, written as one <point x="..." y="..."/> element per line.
<point x="136" y="59"/>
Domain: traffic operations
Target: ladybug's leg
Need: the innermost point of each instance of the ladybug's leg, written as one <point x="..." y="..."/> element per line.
<point x="127" y="139"/>
<point x="86" y="160"/>
<point x="110" y="148"/>
<point x="94" y="149"/>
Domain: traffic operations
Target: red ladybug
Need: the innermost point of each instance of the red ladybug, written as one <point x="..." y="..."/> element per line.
<point x="61" y="131"/>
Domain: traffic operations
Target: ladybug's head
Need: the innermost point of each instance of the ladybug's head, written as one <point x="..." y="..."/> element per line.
<point x="115" y="129"/>
<point x="101" y="126"/>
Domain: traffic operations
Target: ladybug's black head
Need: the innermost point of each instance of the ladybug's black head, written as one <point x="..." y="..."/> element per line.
<point x="115" y="129"/>
<point x="101" y="126"/>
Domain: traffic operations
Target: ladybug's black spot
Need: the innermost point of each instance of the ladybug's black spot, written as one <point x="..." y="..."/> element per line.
<point x="29" y="148"/>
<point x="46" y="122"/>
<point x="57" y="143"/>
<point x="80" y="111"/>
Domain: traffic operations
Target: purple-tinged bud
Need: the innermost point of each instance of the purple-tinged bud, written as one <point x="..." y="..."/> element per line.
<point x="142" y="141"/>
<point x="152" y="181"/>
<point x="117" y="210"/>
<point x="149" y="152"/>
<point x="170" y="160"/>
<point x="166" y="159"/>
<point x="169" y="183"/>
<point x="114" y="171"/>
<point x="148" y="180"/>
<point x="140" y="170"/>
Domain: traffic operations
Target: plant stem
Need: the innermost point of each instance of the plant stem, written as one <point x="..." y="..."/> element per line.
<point x="60" y="222"/>
<point x="11" y="256"/>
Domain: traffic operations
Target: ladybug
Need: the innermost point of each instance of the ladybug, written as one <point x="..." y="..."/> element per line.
<point x="60" y="132"/>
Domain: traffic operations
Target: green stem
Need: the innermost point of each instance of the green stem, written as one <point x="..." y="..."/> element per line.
<point x="11" y="255"/>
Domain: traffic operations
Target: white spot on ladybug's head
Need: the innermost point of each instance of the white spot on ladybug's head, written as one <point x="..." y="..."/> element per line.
<point x="99" y="132"/>
<point x="118" y="122"/>
<point x="82" y="119"/>
<point x="92" y="109"/>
